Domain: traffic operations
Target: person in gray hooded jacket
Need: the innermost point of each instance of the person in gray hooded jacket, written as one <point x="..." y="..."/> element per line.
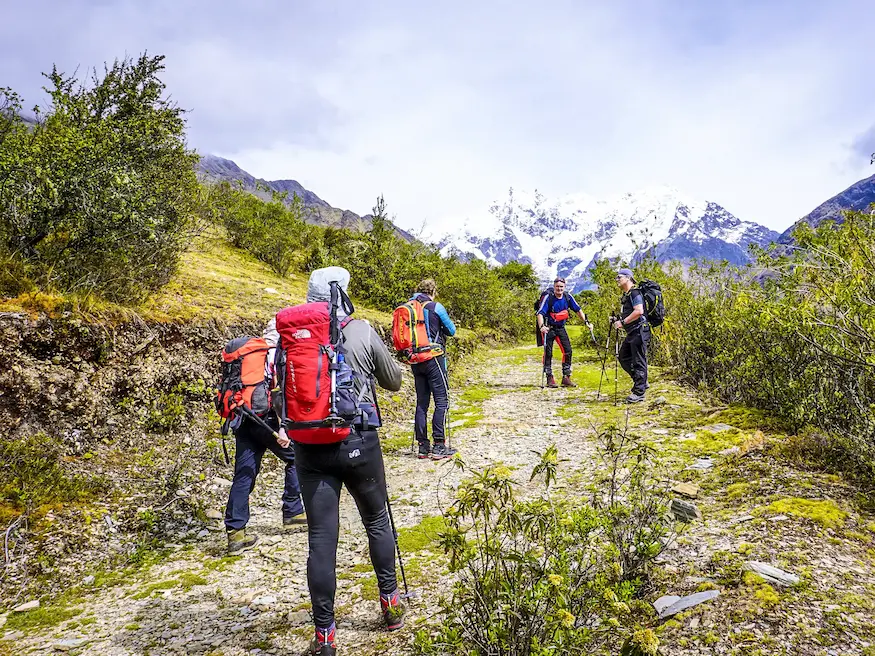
<point x="356" y="462"/>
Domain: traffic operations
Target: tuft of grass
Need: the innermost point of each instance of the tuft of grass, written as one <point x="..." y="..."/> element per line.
<point x="43" y="617"/>
<point x="825" y="513"/>
<point x="154" y="587"/>
<point x="708" y="443"/>
<point x="421" y="536"/>
<point x="766" y="595"/>
<point x="220" y="564"/>
<point x="398" y="444"/>
<point x="188" y="580"/>
<point x="738" y="490"/>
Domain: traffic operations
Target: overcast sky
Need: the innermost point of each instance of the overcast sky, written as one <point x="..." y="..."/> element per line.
<point x="766" y="107"/>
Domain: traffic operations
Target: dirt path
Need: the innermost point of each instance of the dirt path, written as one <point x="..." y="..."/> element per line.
<point x="755" y="506"/>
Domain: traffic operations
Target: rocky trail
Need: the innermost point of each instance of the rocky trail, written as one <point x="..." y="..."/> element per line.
<point x="734" y="476"/>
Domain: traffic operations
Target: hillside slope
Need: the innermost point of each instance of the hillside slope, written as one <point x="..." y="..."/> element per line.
<point x="317" y="211"/>
<point x="859" y="196"/>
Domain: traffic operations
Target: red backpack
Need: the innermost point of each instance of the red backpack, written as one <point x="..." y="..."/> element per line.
<point x="319" y="404"/>
<point x="243" y="391"/>
<point x="410" y="334"/>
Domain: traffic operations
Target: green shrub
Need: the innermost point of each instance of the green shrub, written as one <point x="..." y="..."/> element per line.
<point x="98" y="196"/>
<point x="33" y="475"/>
<point x="550" y="574"/>
<point x="792" y="335"/>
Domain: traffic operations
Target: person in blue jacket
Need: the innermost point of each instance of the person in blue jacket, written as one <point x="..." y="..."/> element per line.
<point x="555" y="310"/>
<point x="430" y="377"/>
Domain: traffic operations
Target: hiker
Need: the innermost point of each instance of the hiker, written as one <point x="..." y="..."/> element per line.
<point x="252" y="440"/>
<point x="430" y="376"/>
<point x="554" y="311"/>
<point x="355" y="461"/>
<point x="633" y="319"/>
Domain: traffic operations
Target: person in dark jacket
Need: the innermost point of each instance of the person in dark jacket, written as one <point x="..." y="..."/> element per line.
<point x="633" y="351"/>
<point x="357" y="463"/>
<point x="430" y="377"/>
<point x="252" y="441"/>
<point x="554" y="311"/>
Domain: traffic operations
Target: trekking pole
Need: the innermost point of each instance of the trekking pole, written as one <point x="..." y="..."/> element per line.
<point x="408" y="594"/>
<point x="544" y="361"/>
<point x="258" y="420"/>
<point x="616" y="362"/>
<point x="604" y="360"/>
<point x="446" y="378"/>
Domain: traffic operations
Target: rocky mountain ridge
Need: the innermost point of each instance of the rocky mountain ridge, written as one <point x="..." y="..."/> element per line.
<point x="317" y="211"/>
<point x="566" y="236"/>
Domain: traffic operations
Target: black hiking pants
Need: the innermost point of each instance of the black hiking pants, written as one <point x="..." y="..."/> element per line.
<point x="356" y="462"/>
<point x="633" y="356"/>
<point x="252" y="441"/>
<point x="430" y="379"/>
<point x="560" y="336"/>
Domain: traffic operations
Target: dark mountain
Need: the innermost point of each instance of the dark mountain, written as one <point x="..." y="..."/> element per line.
<point x="316" y="210"/>
<point x="856" y="197"/>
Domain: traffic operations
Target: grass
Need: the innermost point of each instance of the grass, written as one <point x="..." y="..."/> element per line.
<point x="64" y="608"/>
<point x="707" y="443"/>
<point x="214" y="281"/>
<point x="421" y="536"/>
<point x="825" y="513"/>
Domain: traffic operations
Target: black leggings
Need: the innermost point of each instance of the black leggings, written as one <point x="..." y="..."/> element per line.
<point x="357" y="462"/>
<point x="560" y="335"/>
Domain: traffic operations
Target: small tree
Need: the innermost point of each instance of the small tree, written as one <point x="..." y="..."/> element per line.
<point x="100" y="194"/>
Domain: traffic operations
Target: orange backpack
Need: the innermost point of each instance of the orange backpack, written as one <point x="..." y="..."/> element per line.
<point x="410" y="334"/>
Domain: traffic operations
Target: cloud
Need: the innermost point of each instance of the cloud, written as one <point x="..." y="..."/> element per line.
<point x="441" y="107"/>
<point x="864" y="145"/>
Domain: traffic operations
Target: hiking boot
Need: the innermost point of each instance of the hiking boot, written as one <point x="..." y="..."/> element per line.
<point x="424" y="451"/>
<point x="634" y="398"/>
<point x="441" y="451"/>
<point x="238" y="541"/>
<point x="566" y="382"/>
<point x="323" y="642"/>
<point x="551" y="382"/>
<point x="293" y="521"/>
<point x="393" y="611"/>
<point x="319" y="649"/>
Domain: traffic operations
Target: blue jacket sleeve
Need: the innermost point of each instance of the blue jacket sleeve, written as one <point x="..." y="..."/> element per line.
<point x="573" y="303"/>
<point x="543" y="309"/>
<point x="449" y="326"/>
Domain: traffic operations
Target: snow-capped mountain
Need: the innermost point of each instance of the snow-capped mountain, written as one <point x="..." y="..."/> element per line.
<point x="565" y="236"/>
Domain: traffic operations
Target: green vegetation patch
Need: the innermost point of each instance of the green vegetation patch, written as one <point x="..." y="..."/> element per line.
<point x="826" y="513"/>
<point x="709" y="443"/>
<point x="43" y="617"/>
<point x="421" y="536"/>
<point x="33" y="475"/>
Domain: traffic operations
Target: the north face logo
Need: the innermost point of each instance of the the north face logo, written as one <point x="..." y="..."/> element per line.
<point x="302" y="333"/>
<point x="355" y="454"/>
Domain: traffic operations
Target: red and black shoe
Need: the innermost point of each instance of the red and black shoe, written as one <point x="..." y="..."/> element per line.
<point x="393" y="611"/>
<point x="551" y="382"/>
<point x="323" y="643"/>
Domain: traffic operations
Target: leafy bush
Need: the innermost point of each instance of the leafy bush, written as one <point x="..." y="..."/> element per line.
<point x="272" y="231"/>
<point x="792" y="334"/>
<point x="550" y="574"/>
<point x="99" y="194"/>
<point x="32" y="474"/>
